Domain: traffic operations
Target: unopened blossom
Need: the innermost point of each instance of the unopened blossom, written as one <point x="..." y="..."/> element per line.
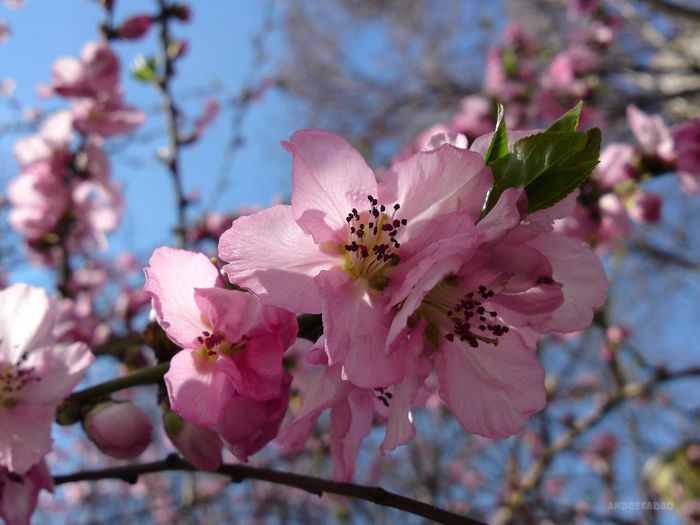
<point x="199" y="445"/>
<point x="19" y="492"/>
<point x="337" y="248"/>
<point x="135" y="27"/>
<point x="232" y="348"/>
<point x="36" y="373"/>
<point x="119" y="429"/>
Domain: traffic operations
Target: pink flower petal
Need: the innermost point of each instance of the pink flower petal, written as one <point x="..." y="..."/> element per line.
<point x="197" y="388"/>
<point x="580" y="271"/>
<point x="326" y="389"/>
<point x="270" y="255"/>
<point x="26" y="435"/>
<point x="356" y="328"/>
<point x="170" y="281"/>
<point x="434" y="182"/>
<point x="351" y="422"/>
<point x="26" y="320"/>
<point x="491" y="390"/>
<point x="329" y="179"/>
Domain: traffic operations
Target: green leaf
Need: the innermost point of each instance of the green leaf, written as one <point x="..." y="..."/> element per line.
<point x="499" y="142"/>
<point x="144" y="69"/>
<point x="563" y="179"/>
<point x="569" y="120"/>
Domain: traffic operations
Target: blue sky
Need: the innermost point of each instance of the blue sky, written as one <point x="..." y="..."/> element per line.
<point x="218" y="60"/>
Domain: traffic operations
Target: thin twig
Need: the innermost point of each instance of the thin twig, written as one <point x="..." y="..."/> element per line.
<point x="313" y="485"/>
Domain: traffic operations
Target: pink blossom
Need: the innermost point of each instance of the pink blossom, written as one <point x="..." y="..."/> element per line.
<point x="36" y="373"/>
<point x="19" y="492"/>
<point x="121" y="430"/>
<point x="39" y="200"/>
<point x="135" y="27"/>
<point x="474" y="118"/>
<point x="232" y="348"/>
<point x="686" y="144"/>
<point x="335" y="249"/>
<point x="618" y="163"/>
<point x="95" y="74"/>
<point x="106" y="117"/>
<point x="651" y="133"/>
<point x="53" y="137"/>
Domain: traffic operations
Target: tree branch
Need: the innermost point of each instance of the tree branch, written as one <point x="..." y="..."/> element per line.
<point x="675" y="9"/>
<point x="313" y="485"/>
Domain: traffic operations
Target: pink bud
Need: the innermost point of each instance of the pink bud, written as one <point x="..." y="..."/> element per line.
<point x="182" y="12"/>
<point x="645" y="208"/>
<point x="135" y="27"/>
<point x="199" y="445"/>
<point x="121" y="430"/>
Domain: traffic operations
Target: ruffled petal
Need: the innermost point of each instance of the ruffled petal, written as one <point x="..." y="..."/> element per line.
<point x="171" y="280"/>
<point x="351" y="422"/>
<point x="60" y="368"/>
<point x="491" y="390"/>
<point x="26" y="435"/>
<point x="356" y="328"/>
<point x="581" y="273"/>
<point x="326" y="389"/>
<point x="26" y="320"/>
<point x="270" y="255"/>
<point x="197" y="388"/>
<point x="434" y="182"/>
<point x="329" y="179"/>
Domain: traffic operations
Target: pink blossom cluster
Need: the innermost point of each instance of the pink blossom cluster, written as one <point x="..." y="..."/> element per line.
<point x="537" y="90"/>
<point x="412" y="284"/>
<point x="63" y="193"/>
<point x="616" y="197"/>
<point x="37" y="370"/>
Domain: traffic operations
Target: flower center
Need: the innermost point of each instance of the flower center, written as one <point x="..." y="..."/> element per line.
<point x="457" y="315"/>
<point x="215" y="345"/>
<point x="12" y="379"/>
<point x="372" y="246"/>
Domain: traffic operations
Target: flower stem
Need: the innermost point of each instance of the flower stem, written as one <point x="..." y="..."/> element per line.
<point x="145" y="376"/>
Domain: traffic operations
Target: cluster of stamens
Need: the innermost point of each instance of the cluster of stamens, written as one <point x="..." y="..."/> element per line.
<point x="215" y="344"/>
<point x="13" y="378"/>
<point x="383" y="395"/>
<point x="376" y="238"/>
<point x="472" y="322"/>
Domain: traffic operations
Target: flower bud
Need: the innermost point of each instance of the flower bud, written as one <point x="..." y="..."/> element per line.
<point x="135" y="27"/>
<point x="121" y="430"/>
<point x="645" y="208"/>
<point x="199" y="445"/>
<point x="182" y="12"/>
